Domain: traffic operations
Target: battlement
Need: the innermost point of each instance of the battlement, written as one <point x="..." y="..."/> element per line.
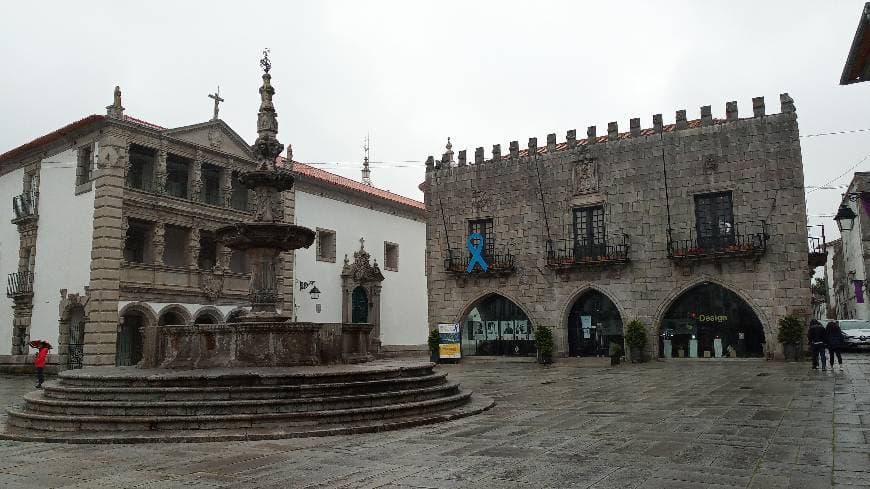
<point x="613" y="134"/>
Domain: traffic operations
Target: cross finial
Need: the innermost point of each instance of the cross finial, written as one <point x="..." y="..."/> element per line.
<point x="362" y="242"/>
<point x="265" y="63"/>
<point x="217" y="100"/>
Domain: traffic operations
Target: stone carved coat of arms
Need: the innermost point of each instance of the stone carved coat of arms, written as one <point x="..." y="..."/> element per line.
<point x="585" y="176"/>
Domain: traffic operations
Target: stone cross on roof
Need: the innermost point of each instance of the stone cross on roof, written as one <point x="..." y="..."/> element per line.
<point x="217" y="100"/>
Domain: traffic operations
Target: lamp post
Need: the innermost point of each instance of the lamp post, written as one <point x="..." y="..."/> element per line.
<point x="845" y="217"/>
<point x="314" y="292"/>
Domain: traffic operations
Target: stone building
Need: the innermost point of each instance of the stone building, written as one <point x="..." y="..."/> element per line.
<point x="697" y="229"/>
<point x="847" y="271"/>
<point x="111" y="230"/>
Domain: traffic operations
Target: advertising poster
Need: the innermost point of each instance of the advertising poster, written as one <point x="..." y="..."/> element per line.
<point x="449" y="337"/>
<point x="507" y="330"/>
<point x="477" y="331"/>
<point x="492" y="330"/>
<point x="586" y="326"/>
<point x="521" y="329"/>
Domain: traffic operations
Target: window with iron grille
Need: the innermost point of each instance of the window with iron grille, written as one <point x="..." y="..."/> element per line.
<point x="484" y="227"/>
<point x="589" y="237"/>
<point x="714" y="219"/>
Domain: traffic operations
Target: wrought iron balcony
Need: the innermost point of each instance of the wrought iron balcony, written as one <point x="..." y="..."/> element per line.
<point x="19" y="284"/>
<point x="724" y="243"/>
<point x="571" y="253"/>
<point x="24" y="206"/>
<point x="497" y="263"/>
<point x="818" y="251"/>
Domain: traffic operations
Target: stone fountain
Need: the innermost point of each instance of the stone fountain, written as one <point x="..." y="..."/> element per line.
<point x="262" y="376"/>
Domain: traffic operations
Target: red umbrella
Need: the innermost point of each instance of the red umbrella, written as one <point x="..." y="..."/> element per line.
<point x="40" y="344"/>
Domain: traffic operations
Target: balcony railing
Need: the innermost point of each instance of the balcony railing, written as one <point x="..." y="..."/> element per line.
<point x="19" y="283"/>
<point x="497" y="263"/>
<point x="726" y="244"/>
<point x="570" y="253"/>
<point x="24" y="206"/>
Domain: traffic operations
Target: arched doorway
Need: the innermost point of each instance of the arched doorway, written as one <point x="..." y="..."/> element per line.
<point x="594" y="322"/>
<point x="129" y="342"/>
<point x="497" y="326"/>
<point x="709" y="320"/>
<point x="359" y="306"/>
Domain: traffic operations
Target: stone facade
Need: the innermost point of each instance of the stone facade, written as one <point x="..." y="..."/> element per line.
<point x="847" y="271"/>
<point x="530" y="196"/>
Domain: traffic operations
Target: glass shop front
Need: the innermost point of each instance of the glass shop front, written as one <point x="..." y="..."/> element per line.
<point x="497" y="326"/>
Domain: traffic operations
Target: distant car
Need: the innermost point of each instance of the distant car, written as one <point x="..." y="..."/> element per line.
<point x="856" y="333"/>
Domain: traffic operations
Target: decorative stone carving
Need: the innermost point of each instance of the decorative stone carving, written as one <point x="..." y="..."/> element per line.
<point x="212" y="283"/>
<point x="193" y="248"/>
<point x="158" y="243"/>
<point x="585" y="176"/>
<point x="361" y="271"/>
<point x="160" y="170"/>
<point x="480" y="200"/>
<point x="196" y="176"/>
<point x="215" y="136"/>
<point x="711" y="162"/>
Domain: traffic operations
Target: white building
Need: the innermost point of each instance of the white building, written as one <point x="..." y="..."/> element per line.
<point x="107" y="230"/>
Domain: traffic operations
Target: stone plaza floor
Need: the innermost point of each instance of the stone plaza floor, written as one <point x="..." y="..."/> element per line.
<point x="577" y="424"/>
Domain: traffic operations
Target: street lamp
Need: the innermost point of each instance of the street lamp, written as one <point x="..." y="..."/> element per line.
<point x="314" y="292"/>
<point x="845" y="218"/>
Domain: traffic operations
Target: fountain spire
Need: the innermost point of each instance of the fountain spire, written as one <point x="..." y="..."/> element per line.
<point x="267" y="147"/>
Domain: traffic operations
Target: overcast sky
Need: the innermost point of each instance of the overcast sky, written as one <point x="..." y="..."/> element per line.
<point x="412" y="73"/>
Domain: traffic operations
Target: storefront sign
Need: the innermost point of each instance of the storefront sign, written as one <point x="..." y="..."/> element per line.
<point x="712" y="318"/>
<point x="449" y="341"/>
<point x="475" y="249"/>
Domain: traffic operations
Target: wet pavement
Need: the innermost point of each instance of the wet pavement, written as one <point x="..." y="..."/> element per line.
<point x="577" y="424"/>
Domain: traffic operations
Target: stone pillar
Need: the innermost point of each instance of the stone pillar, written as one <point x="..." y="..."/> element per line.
<point x="101" y="330"/>
<point x="158" y="243"/>
<point x="224" y="256"/>
<point x="195" y="185"/>
<point x="286" y="300"/>
<point x="227" y="183"/>
<point x="193" y="248"/>
<point x="160" y="169"/>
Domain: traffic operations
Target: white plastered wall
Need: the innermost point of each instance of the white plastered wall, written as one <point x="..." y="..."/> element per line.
<point x="403" y="294"/>
<point x="11" y="184"/>
<point x="853" y="260"/>
<point x="63" y="242"/>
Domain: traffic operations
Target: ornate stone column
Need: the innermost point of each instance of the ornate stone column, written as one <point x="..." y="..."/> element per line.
<point x="196" y="177"/>
<point x="227" y="183"/>
<point x="193" y="248"/>
<point x="158" y="243"/>
<point x="160" y="169"/>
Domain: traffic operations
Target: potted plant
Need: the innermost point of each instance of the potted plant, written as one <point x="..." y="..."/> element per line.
<point x="791" y="333"/>
<point x="544" y="344"/>
<point x="635" y="338"/>
<point x="434" y="344"/>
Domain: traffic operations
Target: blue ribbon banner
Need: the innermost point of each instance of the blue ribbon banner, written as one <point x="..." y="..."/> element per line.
<point x="475" y="250"/>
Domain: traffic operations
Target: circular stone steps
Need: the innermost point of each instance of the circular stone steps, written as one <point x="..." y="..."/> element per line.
<point x="137" y="405"/>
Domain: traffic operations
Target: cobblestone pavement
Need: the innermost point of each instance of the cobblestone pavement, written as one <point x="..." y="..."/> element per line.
<point x="578" y="424"/>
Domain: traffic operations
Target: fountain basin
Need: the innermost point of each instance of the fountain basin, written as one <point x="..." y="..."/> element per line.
<point x="266" y="235"/>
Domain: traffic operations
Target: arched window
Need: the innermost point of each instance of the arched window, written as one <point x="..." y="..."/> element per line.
<point x="710" y="321"/>
<point x="497" y="326"/>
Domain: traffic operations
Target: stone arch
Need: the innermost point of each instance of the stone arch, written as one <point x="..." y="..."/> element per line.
<point x="235" y="314"/>
<point x="680" y="292"/>
<point x="213" y="313"/>
<point x="136" y="323"/>
<point x="176" y="309"/>
<point x="483" y="295"/>
<point x="568" y="304"/>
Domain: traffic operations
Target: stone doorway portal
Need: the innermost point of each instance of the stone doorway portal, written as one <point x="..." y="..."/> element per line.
<point x="594" y="322"/>
<point x="129" y="342"/>
<point x="360" y="306"/>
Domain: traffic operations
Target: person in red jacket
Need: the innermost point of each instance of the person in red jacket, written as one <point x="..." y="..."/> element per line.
<point x="39" y="362"/>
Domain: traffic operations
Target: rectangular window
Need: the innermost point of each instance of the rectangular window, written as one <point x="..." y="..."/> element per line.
<point x="207" y="251"/>
<point x="484" y="228"/>
<point x="714" y="220"/>
<point x="136" y="242"/>
<point x="175" y="246"/>
<point x="177" y="176"/>
<point x="589" y="238"/>
<point x="239" y="198"/>
<point x="85" y="165"/>
<point x="141" y="173"/>
<point x="211" y="184"/>
<point x="325" y="245"/>
<point x="391" y="256"/>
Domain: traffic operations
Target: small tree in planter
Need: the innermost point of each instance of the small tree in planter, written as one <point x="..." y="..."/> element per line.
<point x="544" y="344"/>
<point x="635" y="338"/>
<point x="791" y="333"/>
<point x="434" y="345"/>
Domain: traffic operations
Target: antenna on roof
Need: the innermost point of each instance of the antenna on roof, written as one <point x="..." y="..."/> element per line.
<point x="366" y="172"/>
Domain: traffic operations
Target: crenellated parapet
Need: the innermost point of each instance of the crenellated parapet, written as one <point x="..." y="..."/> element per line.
<point x="635" y="133"/>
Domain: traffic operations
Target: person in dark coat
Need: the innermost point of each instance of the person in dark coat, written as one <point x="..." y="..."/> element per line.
<point x="818" y="340"/>
<point x="835" y="342"/>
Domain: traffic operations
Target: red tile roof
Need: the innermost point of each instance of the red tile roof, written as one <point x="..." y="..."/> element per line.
<point x="337" y="180"/>
<point x="50" y="137"/>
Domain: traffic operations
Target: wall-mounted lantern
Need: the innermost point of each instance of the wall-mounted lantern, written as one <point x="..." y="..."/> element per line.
<point x="314" y="292"/>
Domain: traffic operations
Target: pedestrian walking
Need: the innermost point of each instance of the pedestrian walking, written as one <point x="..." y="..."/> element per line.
<point x="818" y="339"/>
<point x="39" y="362"/>
<point x="835" y="342"/>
